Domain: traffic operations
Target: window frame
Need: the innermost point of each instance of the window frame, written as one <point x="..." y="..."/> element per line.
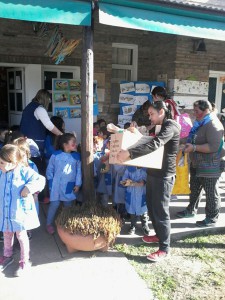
<point x="133" y="68"/>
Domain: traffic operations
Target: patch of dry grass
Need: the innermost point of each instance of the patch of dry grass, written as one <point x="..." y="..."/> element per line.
<point x="195" y="270"/>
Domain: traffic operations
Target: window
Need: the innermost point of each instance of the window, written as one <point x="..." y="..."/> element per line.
<point x="16" y="90"/>
<point x="53" y="72"/>
<point x="124" y="67"/>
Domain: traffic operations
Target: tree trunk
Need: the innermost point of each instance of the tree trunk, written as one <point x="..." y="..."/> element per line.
<point x="87" y="73"/>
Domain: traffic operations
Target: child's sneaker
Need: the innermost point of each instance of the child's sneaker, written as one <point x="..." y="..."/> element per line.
<point x="24" y="267"/>
<point x="5" y="262"/>
<point x="146" y="230"/>
<point x="50" y="229"/>
<point x="131" y="230"/>
<point x="157" y="256"/>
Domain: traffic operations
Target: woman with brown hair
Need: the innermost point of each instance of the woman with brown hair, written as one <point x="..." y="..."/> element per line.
<point x="34" y="124"/>
<point x="205" y="148"/>
<point x="35" y="119"/>
<point x="159" y="182"/>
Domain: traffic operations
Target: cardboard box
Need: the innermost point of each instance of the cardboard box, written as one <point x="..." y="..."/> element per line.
<point x="125" y="140"/>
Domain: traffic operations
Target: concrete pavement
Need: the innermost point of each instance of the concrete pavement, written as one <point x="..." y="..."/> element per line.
<point x="56" y="274"/>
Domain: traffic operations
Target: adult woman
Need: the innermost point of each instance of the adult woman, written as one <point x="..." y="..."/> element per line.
<point x="159" y="181"/>
<point x="35" y="119"/>
<point x="34" y="122"/>
<point x="205" y="143"/>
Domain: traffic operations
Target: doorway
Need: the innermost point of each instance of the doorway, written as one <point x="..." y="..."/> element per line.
<point x="217" y="89"/>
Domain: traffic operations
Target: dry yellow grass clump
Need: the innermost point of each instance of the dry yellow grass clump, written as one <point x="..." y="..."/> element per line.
<point x="91" y="218"/>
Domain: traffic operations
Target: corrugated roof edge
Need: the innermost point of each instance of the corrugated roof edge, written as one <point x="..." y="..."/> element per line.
<point x="211" y="5"/>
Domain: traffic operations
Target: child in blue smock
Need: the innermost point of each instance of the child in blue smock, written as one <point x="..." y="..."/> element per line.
<point x="24" y="146"/>
<point x="64" y="176"/>
<point x="18" y="213"/>
<point x="104" y="171"/>
<point x="118" y="194"/>
<point x="134" y="179"/>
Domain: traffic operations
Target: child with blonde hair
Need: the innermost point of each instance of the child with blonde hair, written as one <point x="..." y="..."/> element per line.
<point x="18" y="213"/>
<point x="24" y="147"/>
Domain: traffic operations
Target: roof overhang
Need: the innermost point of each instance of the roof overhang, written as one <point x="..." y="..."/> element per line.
<point x="50" y="11"/>
<point x="164" y="19"/>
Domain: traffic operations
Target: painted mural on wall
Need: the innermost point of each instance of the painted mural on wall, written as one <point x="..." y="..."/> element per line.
<point x="186" y="92"/>
<point x="188" y="87"/>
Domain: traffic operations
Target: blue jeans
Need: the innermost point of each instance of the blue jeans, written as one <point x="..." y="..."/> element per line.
<point x="53" y="206"/>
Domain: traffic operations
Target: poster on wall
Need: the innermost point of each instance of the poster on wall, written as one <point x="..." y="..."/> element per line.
<point x="66" y="103"/>
<point x="66" y="98"/>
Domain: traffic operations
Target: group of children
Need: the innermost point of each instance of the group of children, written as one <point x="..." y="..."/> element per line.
<point x="20" y="184"/>
<point x="124" y="185"/>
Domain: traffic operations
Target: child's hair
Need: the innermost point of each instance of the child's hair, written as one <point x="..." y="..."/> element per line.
<point x="23" y="146"/>
<point x="126" y="125"/>
<point x="11" y="154"/>
<point x="158" y="105"/>
<point x="79" y="148"/>
<point x="64" y="139"/>
<point x="95" y="124"/>
<point x="3" y="128"/>
<point x="3" y="131"/>
<point x="58" y="122"/>
<point x="101" y="121"/>
<point x="159" y="91"/>
<point x="11" y="135"/>
<point x="98" y="143"/>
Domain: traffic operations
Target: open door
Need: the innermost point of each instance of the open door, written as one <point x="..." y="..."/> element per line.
<point x="16" y="95"/>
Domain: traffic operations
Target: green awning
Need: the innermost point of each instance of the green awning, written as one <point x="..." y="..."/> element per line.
<point x="136" y="15"/>
<point x="49" y="11"/>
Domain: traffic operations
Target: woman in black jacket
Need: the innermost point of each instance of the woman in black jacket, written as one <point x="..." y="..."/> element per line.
<point x="159" y="181"/>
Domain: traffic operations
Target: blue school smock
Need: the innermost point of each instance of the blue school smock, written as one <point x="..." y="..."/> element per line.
<point x="118" y="189"/>
<point x="19" y="213"/>
<point x="49" y="147"/>
<point x="63" y="174"/>
<point x="103" y="180"/>
<point x="135" y="197"/>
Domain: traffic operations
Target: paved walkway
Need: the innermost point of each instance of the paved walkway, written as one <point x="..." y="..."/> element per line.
<point x="56" y="274"/>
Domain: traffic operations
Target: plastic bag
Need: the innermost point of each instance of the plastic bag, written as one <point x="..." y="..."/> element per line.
<point x="181" y="186"/>
<point x="186" y="124"/>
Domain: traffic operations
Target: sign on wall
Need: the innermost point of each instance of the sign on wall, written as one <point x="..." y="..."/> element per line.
<point x="66" y="102"/>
